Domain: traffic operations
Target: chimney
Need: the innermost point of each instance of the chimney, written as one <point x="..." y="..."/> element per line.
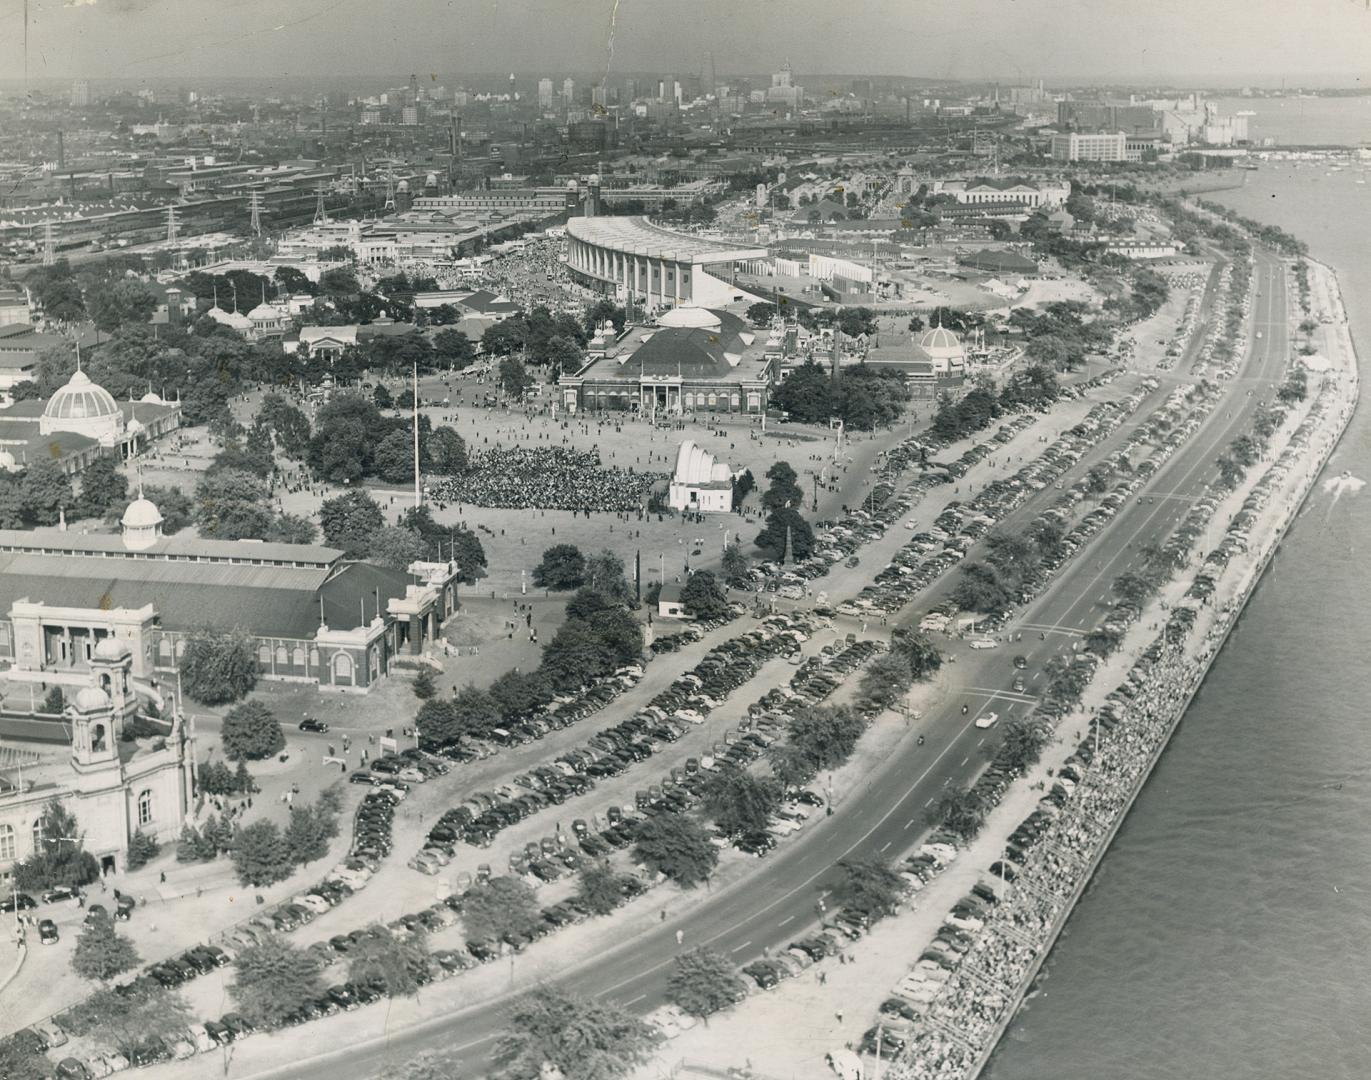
<point x="61" y="152"/>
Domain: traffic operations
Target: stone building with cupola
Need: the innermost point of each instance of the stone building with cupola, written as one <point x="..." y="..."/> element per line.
<point x="81" y="422"/>
<point x="89" y="760"/>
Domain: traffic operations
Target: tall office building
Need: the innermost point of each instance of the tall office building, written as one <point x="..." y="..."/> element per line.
<point x="569" y="91"/>
<point x="80" y="94"/>
<point x="544" y="93"/>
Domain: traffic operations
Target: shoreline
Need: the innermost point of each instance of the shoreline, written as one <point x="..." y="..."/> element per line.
<point x="1333" y="428"/>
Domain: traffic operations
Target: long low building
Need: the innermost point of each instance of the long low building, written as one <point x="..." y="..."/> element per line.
<point x="630" y="257"/>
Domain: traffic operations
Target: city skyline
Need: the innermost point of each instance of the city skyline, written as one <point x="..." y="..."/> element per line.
<point x="1232" y="44"/>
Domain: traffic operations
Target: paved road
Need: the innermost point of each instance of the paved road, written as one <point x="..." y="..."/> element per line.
<point x="778" y="903"/>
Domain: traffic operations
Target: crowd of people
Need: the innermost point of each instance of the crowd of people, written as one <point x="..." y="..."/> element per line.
<point x="547" y="478"/>
<point x="962" y="1019"/>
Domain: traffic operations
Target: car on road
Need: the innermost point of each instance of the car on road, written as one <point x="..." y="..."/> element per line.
<point x="58" y="894"/>
<point x="47" y="932"/>
<point x="310" y="724"/>
<point x="984" y="643"/>
<point x="17" y="902"/>
<point x="987" y="720"/>
<point x="1021" y="662"/>
<point x="1018" y="685"/>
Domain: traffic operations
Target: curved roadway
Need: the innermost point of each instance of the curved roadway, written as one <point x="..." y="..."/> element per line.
<point x="778" y="903"/>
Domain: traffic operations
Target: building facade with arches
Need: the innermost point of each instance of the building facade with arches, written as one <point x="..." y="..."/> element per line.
<point x="313" y="615"/>
<point x="114" y="786"/>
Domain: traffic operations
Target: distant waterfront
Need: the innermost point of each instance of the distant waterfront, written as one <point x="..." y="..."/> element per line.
<point x="1344" y="121"/>
<point x="1225" y="935"/>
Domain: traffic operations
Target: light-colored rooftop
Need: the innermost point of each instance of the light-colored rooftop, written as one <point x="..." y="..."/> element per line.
<point x="638" y="236"/>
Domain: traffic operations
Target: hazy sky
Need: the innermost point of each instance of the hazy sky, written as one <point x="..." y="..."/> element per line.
<point x="1208" y="41"/>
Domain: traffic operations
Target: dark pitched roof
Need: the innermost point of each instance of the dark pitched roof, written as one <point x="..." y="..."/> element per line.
<point x="1000" y="262"/>
<point x="696" y="353"/>
<point x="264" y="600"/>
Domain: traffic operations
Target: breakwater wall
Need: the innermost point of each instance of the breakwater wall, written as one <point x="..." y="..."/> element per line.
<point x="1320" y="450"/>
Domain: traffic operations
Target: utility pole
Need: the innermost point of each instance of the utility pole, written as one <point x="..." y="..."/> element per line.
<point x="255" y="212"/>
<point x="418" y="497"/>
<point x="320" y="210"/>
<point x="172" y="225"/>
<point x="49" y="245"/>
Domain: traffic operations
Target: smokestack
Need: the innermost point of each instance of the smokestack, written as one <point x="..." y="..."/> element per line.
<point x="61" y="152"/>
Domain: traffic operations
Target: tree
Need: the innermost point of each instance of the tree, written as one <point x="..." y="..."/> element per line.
<point x="475" y="710"/>
<point x="562" y="567"/>
<point x="292" y="529"/>
<point x="53" y="701"/>
<point x="395" y="962"/>
<point x="338" y="282"/>
<point x="735" y="566"/>
<point x="786" y="525"/>
<point x="886" y="679"/>
<point x="21" y="1060"/>
<point x="564" y="356"/>
<point x="739" y="802"/>
<point x="174" y="505"/>
<point x="761" y="313"/>
<point x="961" y="811"/>
<point x="103" y="488"/>
<point x="601" y="888"/>
<point x="60" y="856"/>
<point x="784" y="490"/>
<point x="309" y="831"/>
<point x="869" y="886"/>
<point x="454" y="348"/>
<point x="517" y="693"/>
<point x="1022" y="740"/>
<point x="251" y="731"/>
<point x="120" y="302"/>
<point x="826" y="734"/>
<point x="349" y="521"/>
<point x="218" y="667"/>
<point x="396" y="547"/>
<point x="919" y="652"/>
<point x="446" y="452"/>
<point x="142" y="850"/>
<point x="346" y="433"/>
<point x="100" y="952"/>
<point x="1131" y="587"/>
<point x="605" y="574"/>
<point x="44" y="489"/>
<point x="677" y="846"/>
<point x="438" y="722"/>
<point x="703" y="982"/>
<point x="232" y="505"/>
<point x="514" y="377"/>
<point x="703" y="597"/>
<point x="499" y="907"/>
<point x="393" y="460"/>
<point x="273" y="979"/>
<point x="469" y="554"/>
<point x="127" y="1017"/>
<point x="423" y="685"/>
<point x="261" y="855"/>
<point x="583" y="1039"/>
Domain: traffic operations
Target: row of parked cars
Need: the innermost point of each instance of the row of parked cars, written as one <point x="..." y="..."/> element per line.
<point x="665" y="719"/>
<point x="931" y="552"/>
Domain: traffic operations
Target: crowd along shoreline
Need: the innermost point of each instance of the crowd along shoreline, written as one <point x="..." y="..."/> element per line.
<point x="1320" y="450"/>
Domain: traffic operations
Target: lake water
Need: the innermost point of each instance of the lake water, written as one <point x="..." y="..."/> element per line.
<point x="1227" y="932"/>
<point x="1305" y="121"/>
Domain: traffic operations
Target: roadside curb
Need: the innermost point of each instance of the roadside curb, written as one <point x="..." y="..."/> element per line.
<point x="18" y="966"/>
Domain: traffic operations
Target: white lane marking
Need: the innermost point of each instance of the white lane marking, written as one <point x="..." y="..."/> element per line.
<point x="787" y="919"/>
<point x="633" y="1001"/>
<point x="884" y="846"/>
<point x="910" y="822"/>
<point x="741" y="947"/>
<point x="980" y="741"/>
<point x="966" y="759"/>
<point x="930" y="801"/>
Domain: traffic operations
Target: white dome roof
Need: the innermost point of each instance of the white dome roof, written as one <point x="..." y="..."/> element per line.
<point x="135" y="427"/>
<point x="151" y="398"/>
<point x="940" y="339"/>
<point x="111" y="648"/>
<point x="691" y="317"/>
<point x="89" y="699"/>
<point x="264" y="311"/>
<point x="80" y="399"/>
<point x="141" y="514"/>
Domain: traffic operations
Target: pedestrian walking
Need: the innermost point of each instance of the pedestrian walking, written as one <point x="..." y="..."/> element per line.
<point x="680" y="936"/>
